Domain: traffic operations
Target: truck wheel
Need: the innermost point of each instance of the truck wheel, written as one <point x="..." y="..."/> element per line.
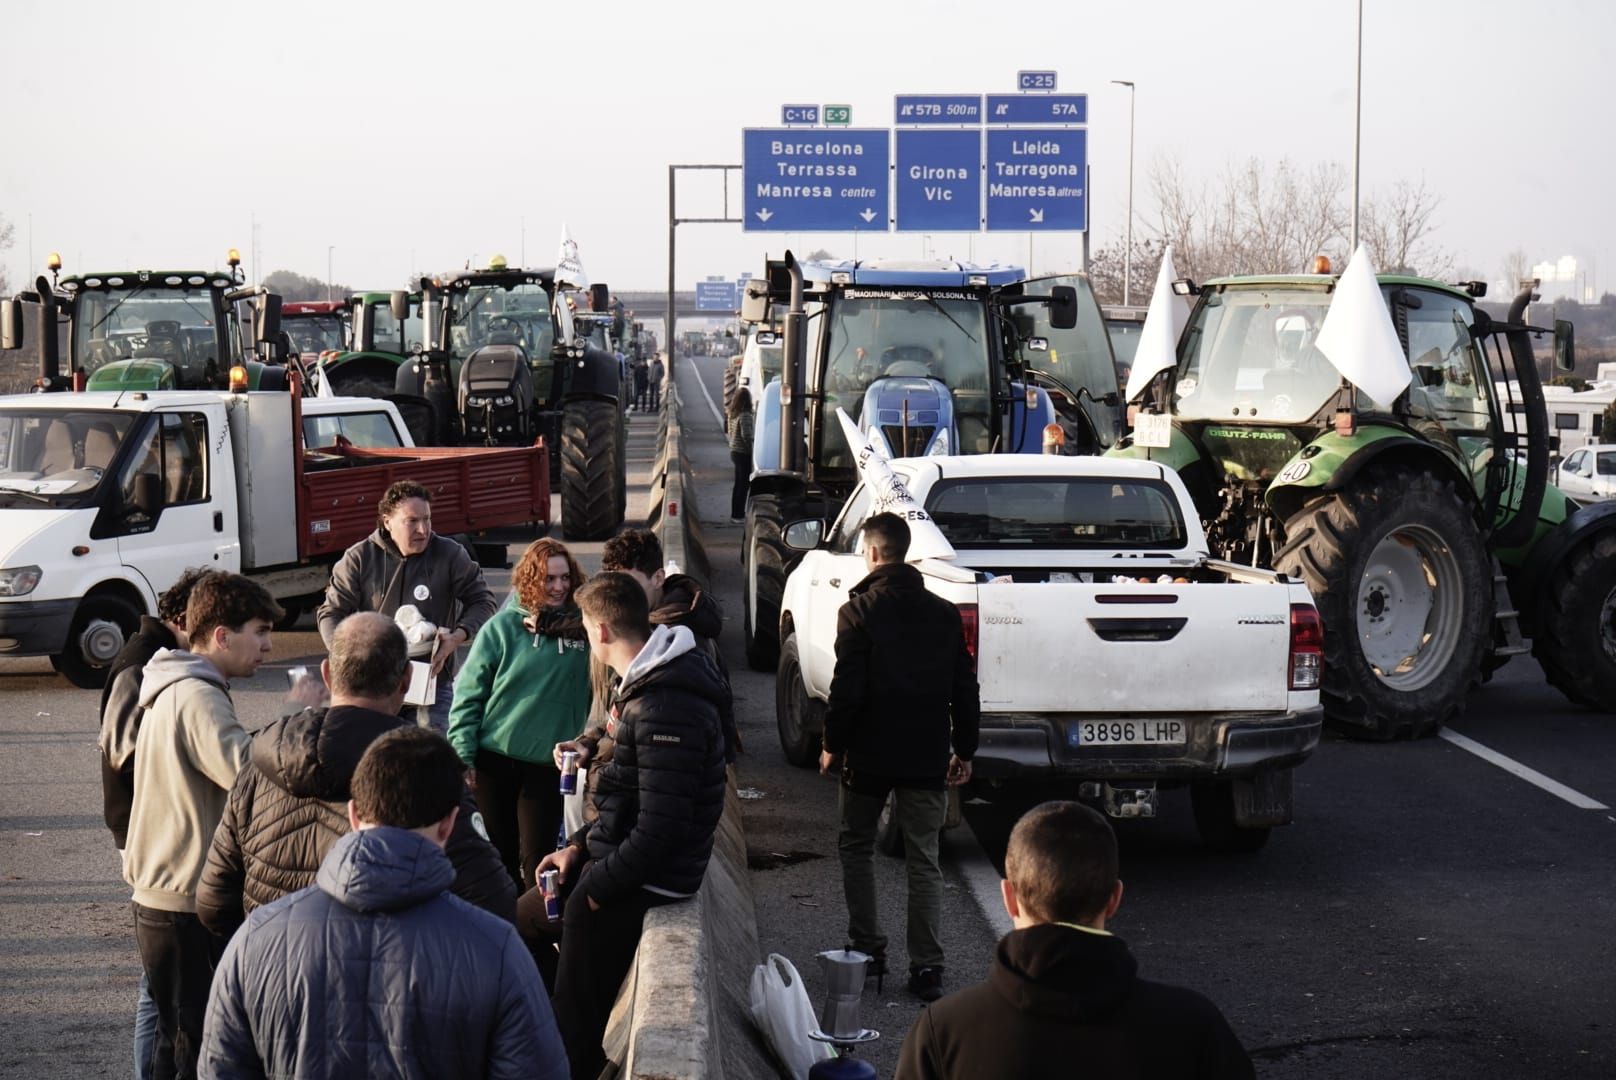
<point x="1401" y="581"/>
<point x="100" y="628"/>
<point x="1213" y="803"/>
<point x="765" y="581"/>
<point x="1576" y="642"/>
<point x="589" y="465"/>
<point x="292" y="611"/>
<point x="796" y="714"/>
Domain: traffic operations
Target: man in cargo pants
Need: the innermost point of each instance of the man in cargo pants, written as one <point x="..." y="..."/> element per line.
<point x="904" y="688"/>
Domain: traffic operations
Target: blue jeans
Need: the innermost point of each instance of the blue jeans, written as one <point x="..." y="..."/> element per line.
<point x="436" y="715"/>
<point x="149" y="1040"/>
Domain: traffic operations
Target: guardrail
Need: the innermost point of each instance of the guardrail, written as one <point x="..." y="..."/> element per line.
<point x="684" y="1010"/>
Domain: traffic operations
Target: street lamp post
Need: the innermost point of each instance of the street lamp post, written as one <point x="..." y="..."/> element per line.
<point x="328" y="278"/>
<point x="1357" y="125"/>
<point x="1127" y="252"/>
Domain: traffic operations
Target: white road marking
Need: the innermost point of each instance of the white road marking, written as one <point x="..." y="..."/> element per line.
<point x="690" y="362"/>
<point x="979" y="875"/>
<point x="1530" y="775"/>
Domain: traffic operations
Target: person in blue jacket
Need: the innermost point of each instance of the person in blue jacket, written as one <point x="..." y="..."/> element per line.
<point x="377" y="970"/>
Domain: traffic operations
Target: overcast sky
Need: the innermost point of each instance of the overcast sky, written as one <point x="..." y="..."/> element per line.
<point x="413" y="137"/>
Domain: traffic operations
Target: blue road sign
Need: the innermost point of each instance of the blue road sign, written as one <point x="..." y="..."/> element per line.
<point x="815" y="181"/>
<point x="1035" y="80"/>
<point x="939" y="186"/>
<point x="799" y="114"/>
<point x="717" y="296"/>
<point x="914" y="109"/>
<point x="1038" y="109"/>
<point x="1036" y="180"/>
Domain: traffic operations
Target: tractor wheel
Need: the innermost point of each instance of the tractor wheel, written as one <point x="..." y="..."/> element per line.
<point x="765" y="581"/>
<point x="1213" y="804"/>
<point x="1576" y="639"/>
<point x="100" y="628"/>
<point x="1401" y="581"/>
<point x="798" y="716"/>
<point x="589" y="470"/>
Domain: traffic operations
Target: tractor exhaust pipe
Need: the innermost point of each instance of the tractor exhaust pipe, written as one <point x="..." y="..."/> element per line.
<point x="793" y="454"/>
<point x="50" y="361"/>
<point x="1523" y="359"/>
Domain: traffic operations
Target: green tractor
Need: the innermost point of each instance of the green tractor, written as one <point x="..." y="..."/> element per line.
<point x="1426" y="530"/>
<point x="152" y="330"/>
<point x="503" y="363"/>
<point x="378" y="345"/>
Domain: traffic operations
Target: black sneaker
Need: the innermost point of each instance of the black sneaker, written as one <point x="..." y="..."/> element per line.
<point x="926" y="983"/>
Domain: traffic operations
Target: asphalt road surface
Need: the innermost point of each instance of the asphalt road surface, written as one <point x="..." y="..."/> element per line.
<point x="1430" y="914"/>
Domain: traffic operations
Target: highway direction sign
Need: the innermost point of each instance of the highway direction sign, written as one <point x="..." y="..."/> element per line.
<point x="799" y="114"/>
<point x="1037" y="180"/>
<point x="815" y="181"/>
<point x="717" y="296"/>
<point x="939" y="186"/>
<point x="915" y="109"/>
<point x="838" y="114"/>
<point x="1035" y="80"/>
<point x="1038" y="109"/>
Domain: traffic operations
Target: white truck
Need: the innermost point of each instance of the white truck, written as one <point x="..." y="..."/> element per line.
<point x="1114" y="656"/>
<point x="107" y="497"/>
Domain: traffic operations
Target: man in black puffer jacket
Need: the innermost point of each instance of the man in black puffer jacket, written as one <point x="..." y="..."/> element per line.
<point x="658" y="801"/>
<point x="288" y="806"/>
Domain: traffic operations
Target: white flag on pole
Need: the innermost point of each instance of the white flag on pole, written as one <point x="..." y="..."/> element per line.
<point x="890" y="494"/>
<point x="1358" y="337"/>
<point x="1158" y="338"/>
<point x="569" y="270"/>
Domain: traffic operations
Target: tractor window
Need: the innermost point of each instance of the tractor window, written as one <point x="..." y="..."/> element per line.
<point x="177" y="325"/>
<point x="384" y="330"/>
<point x="315" y="333"/>
<point x="1249" y="353"/>
<point x="1450" y="373"/>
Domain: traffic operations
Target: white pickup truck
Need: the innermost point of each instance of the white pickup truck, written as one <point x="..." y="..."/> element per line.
<point x="1114" y="655"/>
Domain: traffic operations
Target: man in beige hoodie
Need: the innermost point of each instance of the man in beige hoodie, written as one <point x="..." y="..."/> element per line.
<point x="187" y="755"/>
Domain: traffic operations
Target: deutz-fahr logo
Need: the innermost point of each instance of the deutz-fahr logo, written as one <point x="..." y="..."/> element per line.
<point x="1245" y="433"/>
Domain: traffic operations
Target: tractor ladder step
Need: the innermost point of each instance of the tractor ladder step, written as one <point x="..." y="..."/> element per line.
<point x="1507" y="618"/>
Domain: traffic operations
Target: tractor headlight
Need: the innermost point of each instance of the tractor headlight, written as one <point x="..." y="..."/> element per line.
<point x="476" y="402"/>
<point x="20" y="581"/>
<point x="939" y="446"/>
<point x="504" y="399"/>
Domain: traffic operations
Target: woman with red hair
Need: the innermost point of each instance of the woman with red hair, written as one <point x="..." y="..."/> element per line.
<point x="525" y="687"/>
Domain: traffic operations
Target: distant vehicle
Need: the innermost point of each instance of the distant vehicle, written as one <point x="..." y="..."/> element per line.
<point x="317" y="328"/>
<point x="1589" y="473"/>
<point x="1122" y="325"/>
<point x="761" y="363"/>
<point x="1114" y="655"/>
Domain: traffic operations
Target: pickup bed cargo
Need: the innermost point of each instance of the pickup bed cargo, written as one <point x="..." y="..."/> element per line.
<point x="105" y="498"/>
<point x="1114" y="656"/>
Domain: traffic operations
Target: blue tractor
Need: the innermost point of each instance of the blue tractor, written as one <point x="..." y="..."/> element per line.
<point x="937" y="358"/>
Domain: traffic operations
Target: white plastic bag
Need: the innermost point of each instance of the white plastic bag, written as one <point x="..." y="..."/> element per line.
<point x="782" y="1011"/>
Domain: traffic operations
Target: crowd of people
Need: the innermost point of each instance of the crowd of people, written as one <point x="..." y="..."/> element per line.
<point x="368" y="887"/>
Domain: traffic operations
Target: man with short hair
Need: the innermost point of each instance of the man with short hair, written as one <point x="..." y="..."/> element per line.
<point x="187" y="755"/>
<point x="120" y="727"/>
<point x="289" y="804"/>
<point x="903" y="691"/>
<point x="376" y="970"/>
<point x="658" y="803"/>
<point x="1062" y="990"/>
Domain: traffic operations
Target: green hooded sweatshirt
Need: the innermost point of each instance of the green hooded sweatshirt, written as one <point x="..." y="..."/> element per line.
<point x="520" y="692"/>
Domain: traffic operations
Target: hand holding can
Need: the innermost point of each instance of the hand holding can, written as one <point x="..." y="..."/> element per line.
<point x="569" y="772"/>
<point x="552" y="898"/>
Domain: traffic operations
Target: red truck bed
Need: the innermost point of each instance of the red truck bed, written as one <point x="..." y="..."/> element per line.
<point x="473" y="489"/>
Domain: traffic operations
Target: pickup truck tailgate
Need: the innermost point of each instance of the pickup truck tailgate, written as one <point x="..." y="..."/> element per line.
<point x="1062" y="647"/>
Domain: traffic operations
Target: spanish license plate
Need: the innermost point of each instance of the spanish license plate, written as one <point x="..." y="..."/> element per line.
<point x="1125" y="733"/>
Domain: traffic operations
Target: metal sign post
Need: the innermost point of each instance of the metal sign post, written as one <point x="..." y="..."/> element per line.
<point x="674" y="221"/>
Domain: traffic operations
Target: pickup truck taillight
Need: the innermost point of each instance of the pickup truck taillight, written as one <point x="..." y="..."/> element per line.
<point x="968" y="618"/>
<point x="1307" y="647"/>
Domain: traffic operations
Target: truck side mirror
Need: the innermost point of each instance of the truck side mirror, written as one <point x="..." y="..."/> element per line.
<point x="1565" y="346"/>
<point x="11" y="324"/>
<point x="149" y="494"/>
<point x="1063" y="307"/>
<point x="755" y="301"/>
<point x="804" y="535"/>
<point x="267" y="318"/>
<point x="600" y="297"/>
<point x="399" y="305"/>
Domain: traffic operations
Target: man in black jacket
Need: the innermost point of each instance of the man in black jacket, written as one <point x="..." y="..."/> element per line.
<point x="903" y="689"/>
<point x="658" y="801"/>
<point x="1062" y="991"/>
<point x="120" y="726"/>
<point x="288" y="806"/>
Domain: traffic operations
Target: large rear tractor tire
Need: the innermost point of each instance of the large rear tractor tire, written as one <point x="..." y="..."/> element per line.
<point x="1402" y="583"/>
<point x="101" y="627"/>
<point x="799" y="717"/>
<point x="1576" y="641"/>
<point x="589" y="470"/>
<point x="765" y="581"/>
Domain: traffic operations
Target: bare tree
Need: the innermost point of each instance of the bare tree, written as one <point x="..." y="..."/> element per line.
<point x="1396" y="224"/>
<point x="8" y="233"/>
<point x="1517" y="267"/>
<point x="1106" y="268"/>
